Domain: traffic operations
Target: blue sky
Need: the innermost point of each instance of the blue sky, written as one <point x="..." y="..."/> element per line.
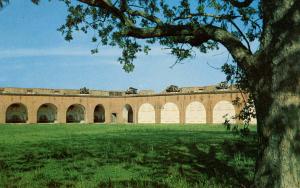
<point x="34" y="54"/>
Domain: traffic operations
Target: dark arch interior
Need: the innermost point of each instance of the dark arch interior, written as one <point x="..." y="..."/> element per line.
<point x="99" y="114"/>
<point x="16" y="113"/>
<point x="129" y="115"/>
<point x="47" y="113"/>
<point x="75" y="114"/>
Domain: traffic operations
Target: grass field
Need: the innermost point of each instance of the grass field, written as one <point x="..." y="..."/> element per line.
<point x="124" y="156"/>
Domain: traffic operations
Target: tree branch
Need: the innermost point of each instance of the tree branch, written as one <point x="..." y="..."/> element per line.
<point x="158" y="31"/>
<point x="240" y="31"/>
<point x="195" y="36"/>
<point x="123" y="5"/>
<point x="220" y="17"/>
<point x="119" y="13"/>
<point x="143" y="14"/>
<point x="107" y="5"/>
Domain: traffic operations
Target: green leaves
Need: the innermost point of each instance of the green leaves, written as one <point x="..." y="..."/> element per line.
<point x="94" y="51"/>
<point x="181" y="53"/>
<point x="111" y="23"/>
<point x="130" y="49"/>
<point x="230" y="72"/>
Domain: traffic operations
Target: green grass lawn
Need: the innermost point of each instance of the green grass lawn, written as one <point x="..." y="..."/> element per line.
<point x="124" y="156"/>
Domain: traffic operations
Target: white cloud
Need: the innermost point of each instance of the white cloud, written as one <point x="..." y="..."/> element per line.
<point x="110" y="54"/>
<point x="66" y="51"/>
<point x="39" y="52"/>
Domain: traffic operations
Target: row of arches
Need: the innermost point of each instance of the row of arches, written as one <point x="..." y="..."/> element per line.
<point x="195" y="113"/>
<point x="47" y="113"/>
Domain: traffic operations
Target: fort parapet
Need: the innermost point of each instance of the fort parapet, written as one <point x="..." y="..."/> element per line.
<point x="190" y="105"/>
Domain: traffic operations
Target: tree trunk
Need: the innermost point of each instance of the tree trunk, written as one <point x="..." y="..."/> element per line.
<point x="278" y="163"/>
<point x="277" y="96"/>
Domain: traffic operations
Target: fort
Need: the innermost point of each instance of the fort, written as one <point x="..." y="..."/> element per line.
<point x="187" y="105"/>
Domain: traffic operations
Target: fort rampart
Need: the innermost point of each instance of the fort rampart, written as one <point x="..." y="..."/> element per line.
<point x="69" y="106"/>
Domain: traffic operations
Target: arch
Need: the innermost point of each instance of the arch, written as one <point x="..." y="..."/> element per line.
<point x="253" y="121"/>
<point x="99" y="114"/>
<point x="16" y="113"/>
<point x="75" y="114"/>
<point x="195" y="113"/>
<point x="146" y="113"/>
<point x="170" y="113"/>
<point x="222" y="109"/>
<point x="128" y="114"/>
<point x="47" y="113"/>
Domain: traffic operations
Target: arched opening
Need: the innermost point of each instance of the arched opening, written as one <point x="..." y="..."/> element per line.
<point x="99" y="114"/>
<point x="128" y="114"/>
<point x="146" y="113"/>
<point x="223" y="110"/>
<point x="16" y="113"/>
<point x="76" y="114"/>
<point x="114" y="117"/>
<point x="195" y="113"/>
<point x="170" y="113"/>
<point x="47" y="113"/>
<point x="253" y="120"/>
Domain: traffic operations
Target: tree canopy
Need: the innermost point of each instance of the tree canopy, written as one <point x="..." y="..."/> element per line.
<point x="181" y="26"/>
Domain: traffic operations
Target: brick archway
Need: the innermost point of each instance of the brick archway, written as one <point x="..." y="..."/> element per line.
<point x="75" y="114"/>
<point x="16" y="113"/>
<point x="47" y="113"/>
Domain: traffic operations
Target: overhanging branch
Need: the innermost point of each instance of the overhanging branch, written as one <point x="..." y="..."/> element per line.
<point x="219" y="17"/>
<point x="143" y="14"/>
<point x="195" y="36"/>
<point x="241" y="33"/>
<point x="120" y="13"/>
<point x="107" y="5"/>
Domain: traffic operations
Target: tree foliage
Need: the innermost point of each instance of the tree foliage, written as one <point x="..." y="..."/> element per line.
<point x="181" y="26"/>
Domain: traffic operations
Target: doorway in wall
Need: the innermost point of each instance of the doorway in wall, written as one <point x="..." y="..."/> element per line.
<point x="114" y="117"/>
<point x="128" y="114"/>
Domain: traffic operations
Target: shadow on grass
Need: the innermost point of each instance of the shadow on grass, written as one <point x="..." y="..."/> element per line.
<point x="194" y="156"/>
<point x="209" y="164"/>
<point x="133" y="184"/>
